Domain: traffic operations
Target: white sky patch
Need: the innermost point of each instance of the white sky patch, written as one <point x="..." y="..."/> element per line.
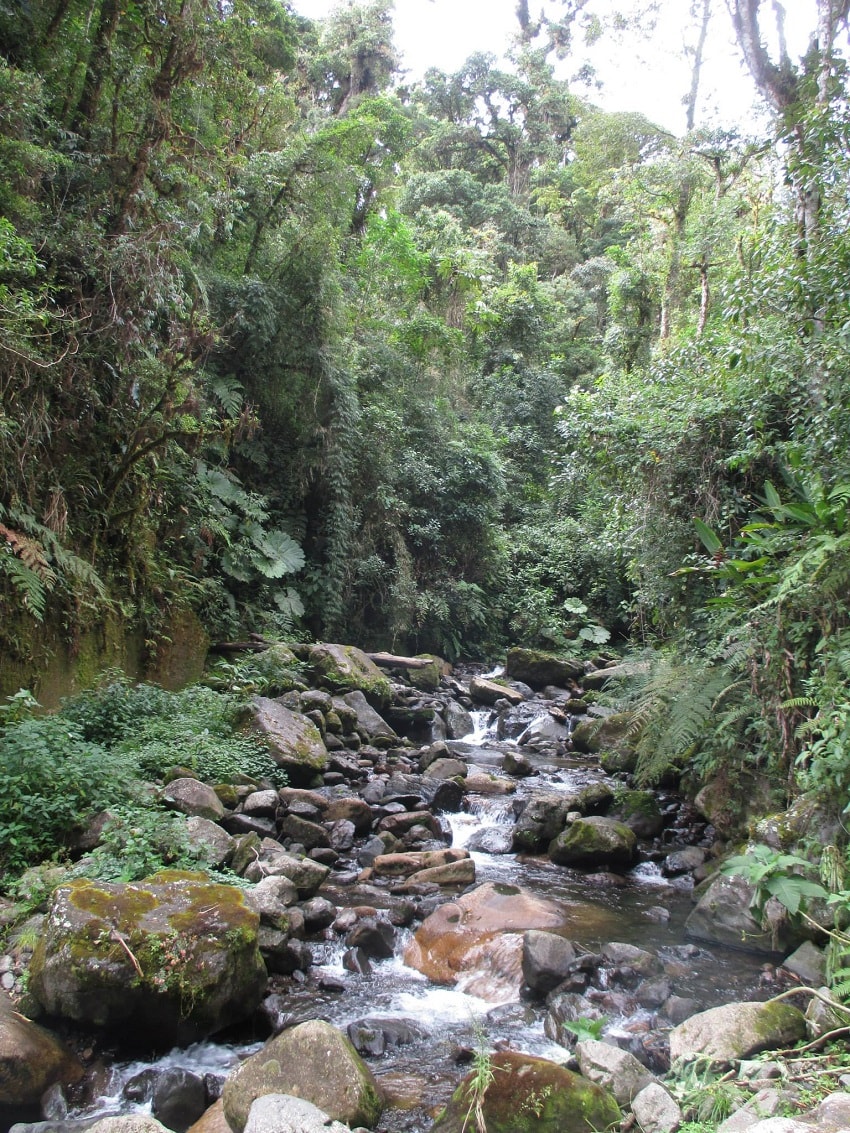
<point x="651" y="76"/>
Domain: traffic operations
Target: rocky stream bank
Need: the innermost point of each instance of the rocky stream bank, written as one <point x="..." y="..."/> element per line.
<point x="458" y="915"/>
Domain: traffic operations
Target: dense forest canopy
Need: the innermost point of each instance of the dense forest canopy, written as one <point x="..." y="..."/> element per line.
<point x="309" y="349"/>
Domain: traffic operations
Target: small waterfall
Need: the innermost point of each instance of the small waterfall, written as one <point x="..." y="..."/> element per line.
<point x="482" y="728"/>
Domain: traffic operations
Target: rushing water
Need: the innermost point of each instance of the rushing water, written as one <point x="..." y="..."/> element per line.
<point x="435" y="1023"/>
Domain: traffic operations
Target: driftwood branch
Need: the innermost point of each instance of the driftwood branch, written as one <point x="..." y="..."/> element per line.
<point x="390" y="661"/>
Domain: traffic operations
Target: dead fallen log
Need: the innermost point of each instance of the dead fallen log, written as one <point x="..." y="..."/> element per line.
<point x="391" y="661"/>
<point x="239" y="647"/>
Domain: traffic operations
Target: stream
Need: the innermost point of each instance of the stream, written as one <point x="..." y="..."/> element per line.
<point x="433" y="1028"/>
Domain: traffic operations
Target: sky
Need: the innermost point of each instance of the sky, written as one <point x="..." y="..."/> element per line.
<point x="651" y="78"/>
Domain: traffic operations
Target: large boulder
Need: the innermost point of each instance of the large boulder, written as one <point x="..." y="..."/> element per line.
<point x="616" y="1070"/>
<point x="547" y="960"/>
<point x="31" y="1060"/>
<point x="611" y="733"/>
<point x="344" y="668"/>
<point x="538" y="669"/>
<point x="175" y="954"/>
<point x="294" y="741"/>
<point x="737" y="1030"/>
<point x="192" y="797"/>
<point x="459" y="938"/>
<point x="594" y="841"/>
<point x="724" y="915"/>
<point x="371" y="726"/>
<point x="529" y="1095"/>
<point x="313" y="1061"/>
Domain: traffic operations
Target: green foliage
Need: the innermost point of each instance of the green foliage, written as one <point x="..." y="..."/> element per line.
<point x="138" y="841"/>
<point x="584" y="1029"/>
<point x="53" y="778"/>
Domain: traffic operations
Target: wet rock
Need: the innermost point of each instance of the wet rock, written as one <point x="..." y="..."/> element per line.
<point x="614" y="672"/>
<point x="178" y="1098"/>
<point x="318" y="913"/>
<point x="568" y="1007"/>
<point x="546" y="960"/>
<point x="447" y="797"/>
<point x="678" y="1008"/>
<point x="291" y="797"/>
<point x="31" y="1059"/>
<point x="737" y="1030"/>
<point x="459" y="722"/>
<point x="483" y="784"/>
<point x="374" y="937"/>
<point x="175" y="953"/>
<point x="531" y="1095"/>
<point x="594" y="841"/>
<point x="683" y="861"/>
<point x="616" y="1070"/>
<point x="355" y="960"/>
<point x="542" y="819"/>
<point x="306" y="833"/>
<point x="369" y="724"/>
<point x="128" y="1123"/>
<point x="515" y="763"/>
<point x="294" y="742"/>
<point x="491" y="840"/>
<point x="190" y="796"/>
<point x="544" y="729"/>
<point x="460" y="872"/>
<point x="453" y="939"/>
<point x="314" y="1061"/>
<point x="262" y="803"/>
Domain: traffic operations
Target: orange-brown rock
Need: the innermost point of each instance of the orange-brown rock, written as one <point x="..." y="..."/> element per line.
<point x="402" y="865"/>
<point x="458" y="938"/>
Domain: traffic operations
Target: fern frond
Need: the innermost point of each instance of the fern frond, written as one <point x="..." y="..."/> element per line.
<point x="26" y="582"/>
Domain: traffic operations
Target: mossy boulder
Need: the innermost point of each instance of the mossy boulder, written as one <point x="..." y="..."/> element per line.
<point x="639" y="810"/>
<point x="294" y="741"/>
<point x="345" y="668"/>
<point x="594" y="841"/>
<point x="536" y="668"/>
<point x="427" y="679"/>
<point x="530" y="1095"/>
<point x="313" y="1061"/>
<point x="612" y="733"/>
<point x="737" y="1030"/>
<point x="175" y="954"/>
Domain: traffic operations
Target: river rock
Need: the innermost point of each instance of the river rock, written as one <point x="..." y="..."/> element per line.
<point x="405" y="864"/>
<point x="212" y="1120"/>
<point x="369" y="724"/>
<point x="447" y="768"/>
<point x="639" y="810"/>
<point x="612" y="733"/>
<point x="599" y="678"/>
<point x="284" y="1113"/>
<point x="450" y="942"/>
<point x="216" y="844"/>
<point x="482" y="783"/>
<point x="594" y="841"/>
<point x="191" y="796"/>
<point x="655" y="1110"/>
<point x="294" y="741"/>
<point x="737" y="1030"/>
<point x="177" y="954"/>
<point x="616" y="1070"/>
<point x="544" y="729"/>
<point x="314" y="1061"/>
<point x="546" y="960"/>
<point x="305" y="874"/>
<point x="179" y="1098"/>
<point x="352" y="810"/>
<point x="539" y="669"/>
<point x="461" y="872"/>
<point x="824" y="1013"/>
<point x="491" y="840"/>
<point x="808" y="964"/>
<point x="723" y="915"/>
<point x="530" y="1095"/>
<point x="31" y="1059"/>
<point x="272" y="898"/>
<point x="541" y="820"/>
<point x="490" y="692"/>
<point x="459" y="722"/>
